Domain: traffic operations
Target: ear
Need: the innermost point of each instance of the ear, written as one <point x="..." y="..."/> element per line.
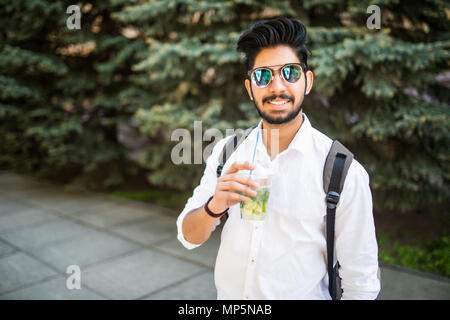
<point x="247" y="86"/>
<point x="309" y="80"/>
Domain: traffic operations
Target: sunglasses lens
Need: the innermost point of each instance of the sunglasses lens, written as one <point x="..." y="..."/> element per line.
<point x="291" y="73"/>
<point x="261" y="77"/>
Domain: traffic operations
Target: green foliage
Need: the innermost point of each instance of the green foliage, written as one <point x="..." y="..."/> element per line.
<point x="381" y="85"/>
<point x="61" y="90"/>
<point x="433" y="257"/>
<point x="161" y="65"/>
<point x="383" y="99"/>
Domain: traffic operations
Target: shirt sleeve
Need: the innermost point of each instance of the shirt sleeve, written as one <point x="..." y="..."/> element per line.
<point x="202" y="192"/>
<point x="356" y="244"/>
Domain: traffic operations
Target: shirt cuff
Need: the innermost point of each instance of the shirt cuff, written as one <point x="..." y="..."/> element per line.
<point x="188" y="245"/>
<point x="180" y="236"/>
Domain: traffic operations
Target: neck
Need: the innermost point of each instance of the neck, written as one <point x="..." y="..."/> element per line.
<point x="277" y="137"/>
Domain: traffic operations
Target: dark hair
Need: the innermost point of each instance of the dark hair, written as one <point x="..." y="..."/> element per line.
<point x="270" y="33"/>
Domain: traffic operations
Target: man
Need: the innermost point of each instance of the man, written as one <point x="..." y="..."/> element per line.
<point x="284" y="257"/>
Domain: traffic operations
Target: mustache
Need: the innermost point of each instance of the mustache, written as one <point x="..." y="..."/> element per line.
<point x="281" y="96"/>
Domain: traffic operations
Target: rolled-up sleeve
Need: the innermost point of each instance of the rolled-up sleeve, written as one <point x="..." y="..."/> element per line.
<point x="356" y="244"/>
<point x="202" y="192"/>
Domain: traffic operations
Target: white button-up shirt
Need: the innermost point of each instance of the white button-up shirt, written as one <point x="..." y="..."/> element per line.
<point x="284" y="256"/>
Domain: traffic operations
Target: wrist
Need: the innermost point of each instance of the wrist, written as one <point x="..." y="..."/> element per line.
<point x="213" y="210"/>
<point x="214" y="207"/>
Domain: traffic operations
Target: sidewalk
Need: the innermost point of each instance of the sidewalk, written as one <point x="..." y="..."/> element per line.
<point x="124" y="249"/>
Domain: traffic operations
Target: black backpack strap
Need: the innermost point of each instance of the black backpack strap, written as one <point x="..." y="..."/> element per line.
<point x="231" y="145"/>
<point x="336" y="167"/>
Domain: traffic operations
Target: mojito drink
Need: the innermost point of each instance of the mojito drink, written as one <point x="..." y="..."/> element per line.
<point x="255" y="209"/>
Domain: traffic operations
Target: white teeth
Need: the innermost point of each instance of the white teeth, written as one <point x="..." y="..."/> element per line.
<point x="278" y="102"/>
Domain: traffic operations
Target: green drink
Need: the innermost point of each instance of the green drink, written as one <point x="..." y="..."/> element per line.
<point x="255" y="209"/>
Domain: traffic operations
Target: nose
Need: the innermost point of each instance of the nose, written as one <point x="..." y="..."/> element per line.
<point x="277" y="84"/>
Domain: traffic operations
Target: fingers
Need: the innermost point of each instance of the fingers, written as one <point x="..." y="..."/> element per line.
<point x="233" y="197"/>
<point x="231" y="174"/>
<point x="236" y="166"/>
<point x="240" y="179"/>
<point x="236" y="187"/>
<point x="230" y="186"/>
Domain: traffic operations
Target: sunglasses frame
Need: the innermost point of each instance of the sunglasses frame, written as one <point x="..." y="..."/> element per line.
<point x="272" y="71"/>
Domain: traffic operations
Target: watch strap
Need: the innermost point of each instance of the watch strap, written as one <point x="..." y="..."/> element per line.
<point x="212" y="214"/>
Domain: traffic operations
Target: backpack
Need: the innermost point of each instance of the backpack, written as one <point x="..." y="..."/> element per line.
<point x="337" y="163"/>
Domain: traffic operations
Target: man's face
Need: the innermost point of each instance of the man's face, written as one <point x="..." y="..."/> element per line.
<point x="280" y="101"/>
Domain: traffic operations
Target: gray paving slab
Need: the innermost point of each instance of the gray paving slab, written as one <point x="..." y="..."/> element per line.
<point x="200" y="287"/>
<point x="54" y="289"/>
<point x="6" y="249"/>
<point x="138" y="274"/>
<point x="108" y="215"/>
<point x="149" y="231"/>
<point x="51" y="233"/>
<point x="206" y="254"/>
<point x="112" y="267"/>
<point x="147" y="207"/>
<point x="401" y="285"/>
<point x="19" y="269"/>
<point x="64" y="202"/>
<point x="24" y="218"/>
<point x="8" y="206"/>
<point x="84" y="249"/>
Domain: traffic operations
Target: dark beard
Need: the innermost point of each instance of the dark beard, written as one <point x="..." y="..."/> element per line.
<point x="272" y="120"/>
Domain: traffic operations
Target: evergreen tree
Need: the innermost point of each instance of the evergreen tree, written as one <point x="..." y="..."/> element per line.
<point x="161" y="65"/>
<point x="378" y="91"/>
<point x="384" y="99"/>
<point x="63" y="92"/>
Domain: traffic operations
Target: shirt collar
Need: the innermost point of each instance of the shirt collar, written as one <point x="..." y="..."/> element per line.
<point x="301" y="142"/>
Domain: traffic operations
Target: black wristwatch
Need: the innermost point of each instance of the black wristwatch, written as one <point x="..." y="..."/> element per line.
<point x="212" y="214"/>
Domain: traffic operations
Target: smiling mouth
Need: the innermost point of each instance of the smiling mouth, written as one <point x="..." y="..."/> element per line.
<point x="278" y="104"/>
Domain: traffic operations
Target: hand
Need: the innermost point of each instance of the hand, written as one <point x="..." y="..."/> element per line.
<point x="229" y="185"/>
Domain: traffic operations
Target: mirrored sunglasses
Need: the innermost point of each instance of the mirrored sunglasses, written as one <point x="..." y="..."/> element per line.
<point x="261" y="77"/>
